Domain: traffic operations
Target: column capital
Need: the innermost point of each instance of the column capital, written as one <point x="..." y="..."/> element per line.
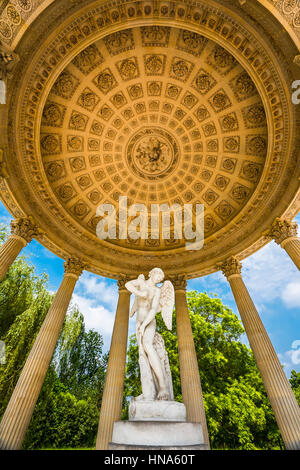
<point x="283" y="229"/>
<point x="8" y="60"/>
<point x="231" y="267"/>
<point x="73" y="267"/>
<point x="179" y="282"/>
<point x="25" y="228"/>
<point x="123" y="278"/>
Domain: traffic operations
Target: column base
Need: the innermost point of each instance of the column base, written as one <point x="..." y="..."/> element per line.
<point x="144" y="435"/>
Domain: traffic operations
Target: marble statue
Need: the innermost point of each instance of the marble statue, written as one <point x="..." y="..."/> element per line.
<point x="150" y="299"/>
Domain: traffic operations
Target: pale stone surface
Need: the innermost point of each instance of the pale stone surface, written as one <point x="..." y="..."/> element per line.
<point x="148" y="433"/>
<point x="158" y="410"/>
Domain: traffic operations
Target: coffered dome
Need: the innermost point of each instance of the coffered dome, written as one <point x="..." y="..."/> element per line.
<point x="160" y="114"/>
<point x="164" y="103"/>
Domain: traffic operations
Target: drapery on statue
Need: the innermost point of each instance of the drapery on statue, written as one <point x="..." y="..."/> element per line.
<point x="154" y="365"/>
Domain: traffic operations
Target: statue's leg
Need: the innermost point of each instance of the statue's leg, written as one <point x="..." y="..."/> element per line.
<point x="154" y="360"/>
<point x="148" y="388"/>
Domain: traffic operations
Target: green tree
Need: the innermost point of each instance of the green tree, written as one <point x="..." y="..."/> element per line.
<point x="238" y="412"/>
<point x="79" y="360"/>
<point x="295" y="384"/>
<point x="22" y="332"/>
<point x="61" y="420"/>
<point x="18" y="290"/>
<point x="67" y="411"/>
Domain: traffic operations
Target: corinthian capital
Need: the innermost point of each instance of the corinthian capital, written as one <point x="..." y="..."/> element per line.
<point x="231" y="266"/>
<point x="8" y="60"/>
<point x="25" y="228"/>
<point x="123" y="278"/>
<point x="179" y="282"/>
<point x="282" y="229"/>
<point x="73" y="266"/>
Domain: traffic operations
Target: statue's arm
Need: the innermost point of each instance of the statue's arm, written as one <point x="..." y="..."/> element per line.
<point x="152" y="311"/>
<point x="132" y="286"/>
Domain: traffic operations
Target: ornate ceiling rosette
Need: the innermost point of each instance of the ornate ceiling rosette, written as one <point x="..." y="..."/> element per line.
<point x="161" y="102"/>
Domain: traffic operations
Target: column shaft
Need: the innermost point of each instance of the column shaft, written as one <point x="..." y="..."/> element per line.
<point x="277" y="386"/>
<point x="292" y="247"/>
<point x="189" y="371"/>
<point x="18" y="413"/>
<point x="8" y="253"/>
<point x="111" y="407"/>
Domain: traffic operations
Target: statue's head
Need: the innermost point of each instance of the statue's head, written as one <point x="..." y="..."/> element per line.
<point x="157" y="275"/>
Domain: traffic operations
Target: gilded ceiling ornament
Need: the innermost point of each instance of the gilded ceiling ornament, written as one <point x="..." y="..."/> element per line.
<point x="25" y="5"/>
<point x="105" y="81"/>
<point x="55" y="170"/>
<point x="154" y="64"/>
<point x="223" y="58"/>
<point x="65" y="85"/>
<point x="88" y="99"/>
<point x="5" y="30"/>
<point x="13" y="15"/>
<point x="256" y="145"/>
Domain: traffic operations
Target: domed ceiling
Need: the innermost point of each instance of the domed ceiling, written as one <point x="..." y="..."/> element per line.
<point x="160" y="114"/>
<point x="162" y="102"/>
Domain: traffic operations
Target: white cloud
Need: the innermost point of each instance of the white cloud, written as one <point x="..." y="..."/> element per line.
<point x="291" y="294"/>
<point x="102" y="291"/>
<point x="96" y="316"/>
<point x="267" y="275"/>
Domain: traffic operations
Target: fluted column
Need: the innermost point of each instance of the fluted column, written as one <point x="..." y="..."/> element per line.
<point x="111" y="407"/>
<point x="189" y="371"/>
<point x="285" y="234"/>
<point x="22" y="232"/>
<point x="18" y="413"/>
<point x="277" y="386"/>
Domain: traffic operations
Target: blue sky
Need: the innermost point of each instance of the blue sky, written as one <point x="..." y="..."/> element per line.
<point x="270" y="276"/>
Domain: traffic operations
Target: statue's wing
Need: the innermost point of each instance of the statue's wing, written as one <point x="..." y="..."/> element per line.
<point x="133" y="308"/>
<point x="167" y="298"/>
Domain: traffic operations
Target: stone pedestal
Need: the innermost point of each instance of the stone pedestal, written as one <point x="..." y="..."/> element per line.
<point x="157" y="435"/>
<point x="159" y="425"/>
<point x="156" y="411"/>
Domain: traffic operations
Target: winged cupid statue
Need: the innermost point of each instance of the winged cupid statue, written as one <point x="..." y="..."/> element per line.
<point x="154" y="365"/>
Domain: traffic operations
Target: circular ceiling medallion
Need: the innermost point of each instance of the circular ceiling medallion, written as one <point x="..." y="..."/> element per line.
<point x="152" y="153"/>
